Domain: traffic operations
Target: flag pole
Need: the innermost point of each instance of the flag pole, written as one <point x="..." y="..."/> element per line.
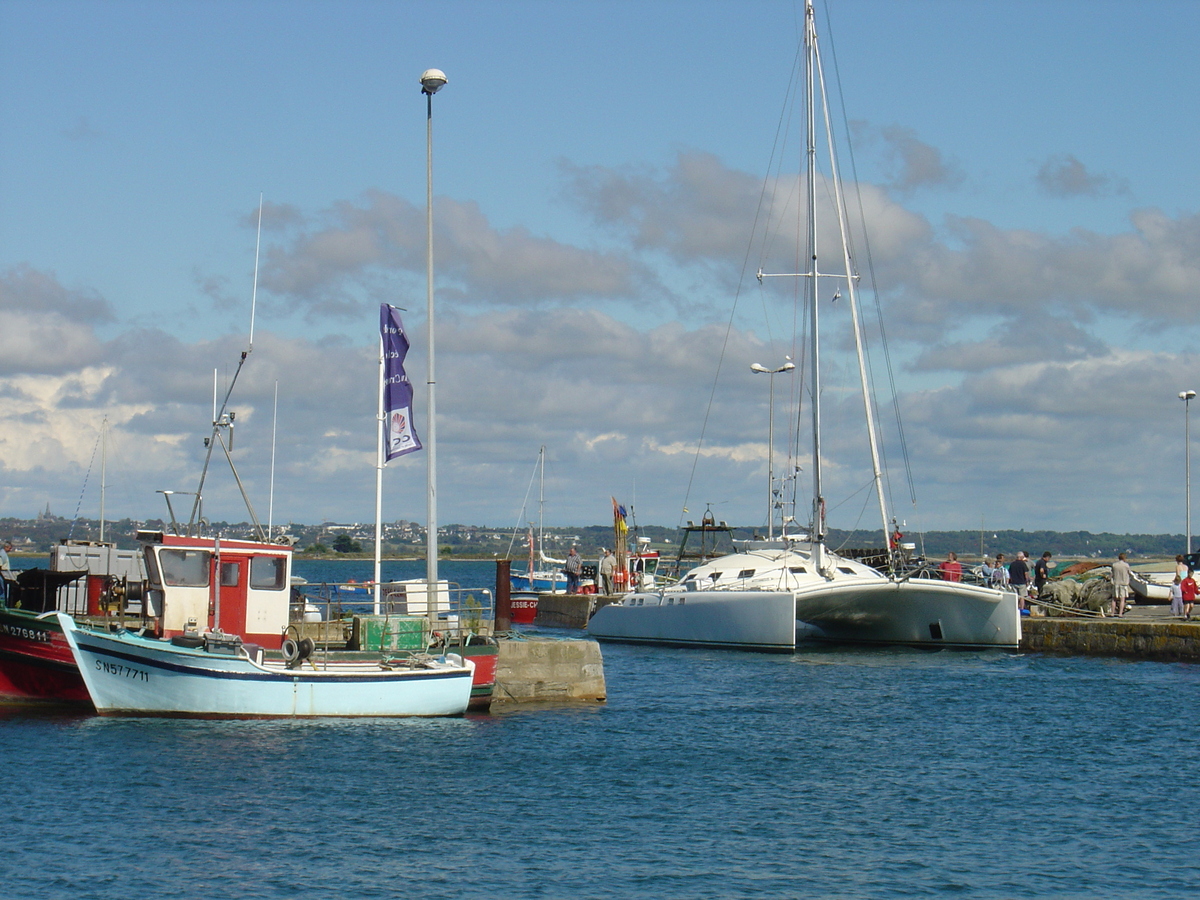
<point x="380" y="437"/>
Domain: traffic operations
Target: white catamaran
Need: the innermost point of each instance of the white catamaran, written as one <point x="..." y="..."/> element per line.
<point x="776" y="592"/>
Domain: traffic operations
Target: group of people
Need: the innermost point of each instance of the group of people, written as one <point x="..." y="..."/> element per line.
<point x="1183" y="590"/>
<point x="1018" y="575"/>
<point x="1028" y="584"/>
<point x="573" y="568"/>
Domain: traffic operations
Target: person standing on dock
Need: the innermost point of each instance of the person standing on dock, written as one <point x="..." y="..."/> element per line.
<point x="1189" y="594"/>
<point x="1177" y="598"/>
<point x="574" y="569"/>
<point x="608" y="565"/>
<point x="1041" y="572"/>
<point x="6" y="574"/>
<point x="1121" y="571"/>
<point x="951" y="568"/>
<point x="1018" y="577"/>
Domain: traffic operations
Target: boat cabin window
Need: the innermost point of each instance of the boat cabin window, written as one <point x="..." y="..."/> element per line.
<point x="267" y="573"/>
<point x="229" y="574"/>
<point x="798" y="570"/>
<point x="185" y="568"/>
<point x="746" y="573"/>
<point x="845" y="570"/>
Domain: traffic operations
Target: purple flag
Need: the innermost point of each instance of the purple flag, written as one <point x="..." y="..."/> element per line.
<point x="401" y="436"/>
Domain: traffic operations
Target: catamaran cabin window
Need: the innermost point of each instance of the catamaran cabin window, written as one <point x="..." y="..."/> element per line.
<point x="846" y="570"/>
<point x="746" y="573"/>
<point x="185" y="568"/>
<point x="267" y="573"/>
<point x="798" y="570"/>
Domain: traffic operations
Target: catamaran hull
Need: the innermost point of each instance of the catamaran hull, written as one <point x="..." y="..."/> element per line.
<point x="910" y="613"/>
<point x="129" y="675"/>
<point x="931" y="613"/>
<point x="739" y="620"/>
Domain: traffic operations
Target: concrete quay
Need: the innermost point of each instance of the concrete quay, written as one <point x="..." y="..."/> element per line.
<point x="1145" y="632"/>
<point x="570" y="610"/>
<point x="549" y="671"/>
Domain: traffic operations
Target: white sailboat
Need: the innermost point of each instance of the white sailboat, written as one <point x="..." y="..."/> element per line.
<point x="774" y="593"/>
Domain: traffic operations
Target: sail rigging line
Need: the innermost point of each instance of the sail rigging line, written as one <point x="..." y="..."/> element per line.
<point x="524" y="505"/>
<point x="754" y="230"/>
<point x="870" y="264"/>
<point x="86" y="476"/>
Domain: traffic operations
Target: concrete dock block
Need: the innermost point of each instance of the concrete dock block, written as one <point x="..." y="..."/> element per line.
<point x="533" y="671"/>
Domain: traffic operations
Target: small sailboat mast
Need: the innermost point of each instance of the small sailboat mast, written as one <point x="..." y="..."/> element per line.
<point x="223" y="419"/>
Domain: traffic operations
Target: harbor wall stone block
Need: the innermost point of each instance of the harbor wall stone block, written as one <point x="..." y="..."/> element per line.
<point x="533" y="671"/>
<point x="1163" y="641"/>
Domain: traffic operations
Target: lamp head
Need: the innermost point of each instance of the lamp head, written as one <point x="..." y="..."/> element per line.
<point x="432" y="80"/>
<point x="758" y="367"/>
<point x="1187" y="395"/>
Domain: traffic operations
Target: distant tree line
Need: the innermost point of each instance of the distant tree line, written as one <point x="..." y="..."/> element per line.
<point x="39" y="535"/>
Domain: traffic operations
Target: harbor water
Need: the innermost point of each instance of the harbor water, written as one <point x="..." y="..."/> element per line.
<point x="830" y="773"/>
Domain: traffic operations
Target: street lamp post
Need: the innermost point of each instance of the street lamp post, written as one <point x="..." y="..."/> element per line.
<point x="771" y="373"/>
<point x="1186" y="397"/>
<point x="432" y="80"/>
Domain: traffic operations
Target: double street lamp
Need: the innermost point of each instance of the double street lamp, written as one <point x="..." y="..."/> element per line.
<point x="763" y="370"/>
<point x="1186" y="397"/>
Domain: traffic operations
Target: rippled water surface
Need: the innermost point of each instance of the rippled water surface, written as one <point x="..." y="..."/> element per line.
<point x="831" y="773"/>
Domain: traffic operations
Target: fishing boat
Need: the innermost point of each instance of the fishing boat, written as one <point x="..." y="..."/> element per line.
<point x="36" y="665"/>
<point x="217" y="675"/>
<point x="774" y="593"/>
<point x="85" y="577"/>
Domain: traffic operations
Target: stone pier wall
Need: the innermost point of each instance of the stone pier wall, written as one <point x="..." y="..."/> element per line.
<point x="1164" y="641"/>
<point x="542" y="671"/>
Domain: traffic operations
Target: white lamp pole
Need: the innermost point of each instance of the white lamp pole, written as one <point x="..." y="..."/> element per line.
<point x="771" y="373"/>
<point x="1186" y="397"/>
<point x="432" y="81"/>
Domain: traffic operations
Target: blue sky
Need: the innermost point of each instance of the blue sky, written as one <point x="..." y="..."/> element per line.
<point x="1032" y="207"/>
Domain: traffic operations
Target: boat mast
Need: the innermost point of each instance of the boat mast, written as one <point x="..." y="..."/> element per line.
<point x="852" y="294"/>
<point x="103" y="466"/>
<point x="541" y="500"/>
<point x="223" y="420"/>
<point x="812" y="287"/>
<point x="814" y="79"/>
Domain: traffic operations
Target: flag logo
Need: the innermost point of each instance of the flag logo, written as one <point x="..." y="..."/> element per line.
<point x="397" y="389"/>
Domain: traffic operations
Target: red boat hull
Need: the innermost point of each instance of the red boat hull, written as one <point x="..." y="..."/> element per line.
<point x="485" y="654"/>
<point x="36" y="665"/>
<point x="523" y="610"/>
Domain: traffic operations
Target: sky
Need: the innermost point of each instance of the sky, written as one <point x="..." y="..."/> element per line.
<point x="608" y="178"/>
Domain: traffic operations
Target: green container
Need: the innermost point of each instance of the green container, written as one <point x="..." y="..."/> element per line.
<point x="384" y="633"/>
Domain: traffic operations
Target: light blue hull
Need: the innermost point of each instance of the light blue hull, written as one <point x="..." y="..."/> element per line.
<point x="126" y="674"/>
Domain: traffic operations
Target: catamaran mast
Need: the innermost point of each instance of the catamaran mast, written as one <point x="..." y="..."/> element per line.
<point x="811" y="286"/>
<point x="852" y="294"/>
<point x="814" y="79"/>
